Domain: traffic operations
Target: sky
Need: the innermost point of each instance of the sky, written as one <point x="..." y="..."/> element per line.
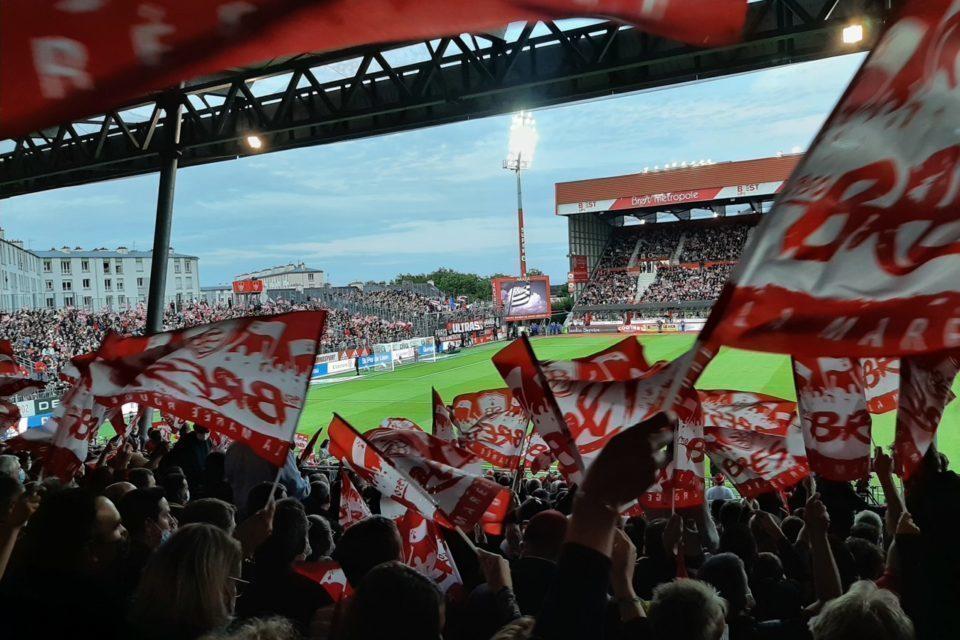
<point x="437" y="197"/>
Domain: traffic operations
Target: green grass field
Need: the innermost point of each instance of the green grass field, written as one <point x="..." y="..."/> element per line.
<point x="405" y="393"/>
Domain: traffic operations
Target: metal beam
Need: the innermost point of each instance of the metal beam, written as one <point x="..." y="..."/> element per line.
<point x="455" y="82"/>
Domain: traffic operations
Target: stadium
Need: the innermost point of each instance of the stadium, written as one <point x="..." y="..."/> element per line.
<point x="734" y="420"/>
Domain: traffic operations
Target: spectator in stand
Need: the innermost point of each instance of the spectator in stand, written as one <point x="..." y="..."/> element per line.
<point x="719" y="490"/>
<point x="245" y="469"/>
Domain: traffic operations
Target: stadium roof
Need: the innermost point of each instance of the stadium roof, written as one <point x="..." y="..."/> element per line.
<point x="103" y="253"/>
<point x="676" y="187"/>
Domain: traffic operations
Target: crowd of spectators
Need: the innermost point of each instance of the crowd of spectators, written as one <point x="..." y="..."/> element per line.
<point x="185" y="542"/>
<point x="615" y="287"/>
<point x="683" y="284"/>
<point x="45" y="340"/>
<point x="708" y="243"/>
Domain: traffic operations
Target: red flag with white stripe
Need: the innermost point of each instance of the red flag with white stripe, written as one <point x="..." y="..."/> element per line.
<point x="925" y="390"/>
<point x="396" y="464"/>
<point x="353" y="508"/>
<point x="400" y="424"/>
<point x="424" y="548"/>
<point x="328" y="575"/>
<point x="834" y="417"/>
<point x="756" y="462"/>
<point x="861" y="254"/>
<point x="246" y="378"/>
<point x="492" y="426"/>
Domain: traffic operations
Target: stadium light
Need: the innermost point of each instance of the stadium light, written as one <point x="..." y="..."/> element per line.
<point x="520" y="149"/>
<point x="853" y="33"/>
<point x="254" y="142"/>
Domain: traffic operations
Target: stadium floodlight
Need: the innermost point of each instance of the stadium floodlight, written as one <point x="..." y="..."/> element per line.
<point x="520" y="149"/>
<point x="254" y="142"/>
<point x="853" y="33"/>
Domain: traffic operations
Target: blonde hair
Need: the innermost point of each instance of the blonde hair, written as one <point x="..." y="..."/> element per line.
<point x="864" y="611"/>
<point x="259" y="629"/>
<point x="186" y="586"/>
<point x="519" y="629"/>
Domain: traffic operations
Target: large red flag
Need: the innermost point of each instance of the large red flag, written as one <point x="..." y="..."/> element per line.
<point x="925" y="390"/>
<point x="834" y="417"/>
<point x="424" y="548"/>
<point x="861" y="254"/>
<point x="400" y="424"/>
<point x="69" y="59"/>
<point x="328" y="575"/>
<point x="492" y="425"/>
<point x="417" y="470"/>
<point x="246" y="378"/>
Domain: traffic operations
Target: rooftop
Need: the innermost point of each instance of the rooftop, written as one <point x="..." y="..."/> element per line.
<point x="119" y="252"/>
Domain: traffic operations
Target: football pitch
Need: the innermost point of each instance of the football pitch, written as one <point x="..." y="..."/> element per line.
<point x="405" y="392"/>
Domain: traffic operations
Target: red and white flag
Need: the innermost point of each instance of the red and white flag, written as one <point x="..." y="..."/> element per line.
<point x="537" y="457"/>
<point x="747" y="411"/>
<point x="12" y="379"/>
<point x="400" y="424"/>
<point x="881" y="383"/>
<point x="925" y="390"/>
<point x="404" y="466"/>
<point x="246" y="378"/>
<point x="73" y="58"/>
<point x="9" y="415"/>
<point x="861" y="254"/>
<point x="492" y="426"/>
<point x="424" y="548"/>
<point x="685" y="473"/>
<point x="353" y="508"/>
<point x="834" y="417"/>
<point x="756" y="462"/>
<point x="328" y="575"/>
<point x="624" y="360"/>
<point x="443" y="426"/>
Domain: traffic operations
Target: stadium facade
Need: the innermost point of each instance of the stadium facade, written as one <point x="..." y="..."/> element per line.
<point x="604" y="217"/>
<point x="92" y="279"/>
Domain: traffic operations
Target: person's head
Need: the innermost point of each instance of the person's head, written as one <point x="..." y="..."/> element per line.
<point x="519" y="629"/>
<point x="725" y="572"/>
<point x="543" y="535"/>
<point x="287" y="541"/>
<point x="531" y="507"/>
<point x="202" y="433"/>
<point x="74" y="530"/>
<point x="791" y="527"/>
<point x="867" y="558"/>
<point x="366" y="544"/>
<point x="213" y="511"/>
<point x="320" y="536"/>
<point x="115" y="492"/>
<point x="718" y="480"/>
<point x="319" y="499"/>
<point x="141" y="478"/>
<point x="259" y="496"/>
<point x="155" y="436"/>
<point x="868" y="531"/>
<point x="863" y="612"/>
<point x="768" y="567"/>
<point x="215" y="466"/>
<point x="275" y="628"/>
<point x="175" y="488"/>
<point x="393" y="592"/>
<point x="10" y="490"/>
<point x="188" y="587"/>
<point x="532" y="485"/>
<point x="10" y="466"/>
<point x="146" y="515"/>
<point x="687" y="609"/>
<point x="738" y="539"/>
<point x="731" y="513"/>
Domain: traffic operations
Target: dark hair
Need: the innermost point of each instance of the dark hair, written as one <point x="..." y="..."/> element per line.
<point x="731" y="512"/>
<point x="653" y="539"/>
<point x="767" y="567"/>
<point x="259" y="496"/>
<point x="174" y="487"/>
<point x="739" y="541"/>
<point x="397" y="602"/>
<point x="366" y="544"/>
<point x="321" y="537"/>
<point x="219" y="513"/>
<point x="138" y="506"/>
<point x="60" y="530"/>
<point x="287" y="541"/>
<point x="215" y="466"/>
<point x="319" y="498"/>
<point x="10" y="489"/>
<point x="140" y="477"/>
<point x="725" y="572"/>
<point x="791" y="527"/>
<point x="867" y="558"/>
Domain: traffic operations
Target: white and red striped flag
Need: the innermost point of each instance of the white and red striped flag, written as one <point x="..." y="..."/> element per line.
<point x="443" y="426"/>
<point x="417" y="470"/>
<point x="834" y="417"/>
<point x="424" y="548"/>
<point x="492" y="426"/>
<point x="881" y="383"/>
<point x="246" y="378"/>
<point x="748" y="411"/>
<point x="925" y="391"/>
<point x="400" y="424"/>
<point x="861" y="254"/>
<point x="353" y="508"/>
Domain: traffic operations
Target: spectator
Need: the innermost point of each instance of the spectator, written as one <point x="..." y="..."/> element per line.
<point x="863" y="612"/>
<point x="393" y="592"/>
<point x="245" y="469"/>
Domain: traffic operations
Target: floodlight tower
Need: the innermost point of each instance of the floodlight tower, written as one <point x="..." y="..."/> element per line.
<point x="523" y="144"/>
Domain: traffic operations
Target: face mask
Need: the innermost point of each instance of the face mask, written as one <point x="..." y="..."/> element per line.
<point x="22" y="475"/>
<point x="165" y="535"/>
